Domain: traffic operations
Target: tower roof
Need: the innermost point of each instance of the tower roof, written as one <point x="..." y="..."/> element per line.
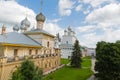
<point x="40" y="17"/>
<point x="16" y="28"/>
<point x="25" y="23"/>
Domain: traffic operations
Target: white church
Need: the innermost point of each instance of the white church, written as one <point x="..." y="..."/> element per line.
<point x="67" y="42"/>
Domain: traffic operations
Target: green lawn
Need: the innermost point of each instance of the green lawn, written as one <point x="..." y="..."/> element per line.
<point x="68" y="73"/>
<point x="64" y="61"/>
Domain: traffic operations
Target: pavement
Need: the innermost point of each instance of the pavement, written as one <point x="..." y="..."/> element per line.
<point x="92" y="68"/>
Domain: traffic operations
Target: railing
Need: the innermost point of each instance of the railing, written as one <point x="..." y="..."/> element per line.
<point x="17" y="58"/>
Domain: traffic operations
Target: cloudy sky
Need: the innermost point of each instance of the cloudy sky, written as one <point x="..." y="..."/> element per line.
<point x="92" y="20"/>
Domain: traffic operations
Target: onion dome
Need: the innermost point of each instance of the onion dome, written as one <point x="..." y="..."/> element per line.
<point x="65" y="30"/>
<point x="22" y="27"/>
<point x="40" y="17"/>
<point x="25" y="23"/>
<point x="69" y="28"/>
<point x="15" y="28"/>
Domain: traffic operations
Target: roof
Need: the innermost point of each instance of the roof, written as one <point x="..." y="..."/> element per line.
<point x="17" y="38"/>
<point x="38" y="31"/>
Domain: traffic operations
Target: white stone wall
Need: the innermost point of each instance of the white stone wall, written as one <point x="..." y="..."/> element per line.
<point x="66" y="53"/>
<point x="67" y="45"/>
<point x="69" y="39"/>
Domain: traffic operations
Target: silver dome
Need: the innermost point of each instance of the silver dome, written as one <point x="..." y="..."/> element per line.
<point x="69" y="28"/>
<point x="40" y="17"/>
<point x="65" y="30"/>
<point x="25" y="22"/>
<point x="23" y="27"/>
<point x="16" y="28"/>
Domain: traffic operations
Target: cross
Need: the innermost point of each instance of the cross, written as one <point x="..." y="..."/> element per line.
<point x="41" y="4"/>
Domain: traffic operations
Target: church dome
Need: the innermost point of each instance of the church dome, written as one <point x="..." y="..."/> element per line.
<point x="65" y="30"/>
<point x="16" y="28"/>
<point x="69" y="28"/>
<point x="40" y="17"/>
<point x="25" y="22"/>
<point x="22" y="27"/>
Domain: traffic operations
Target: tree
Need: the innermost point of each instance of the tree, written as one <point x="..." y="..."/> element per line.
<point x="17" y="75"/>
<point x="76" y="55"/>
<point x="107" y="61"/>
<point x="118" y="41"/>
<point x="27" y="71"/>
<point x="38" y="74"/>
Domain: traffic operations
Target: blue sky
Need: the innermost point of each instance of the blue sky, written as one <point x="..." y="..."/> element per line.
<point x="92" y="20"/>
<point x="51" y="10"/>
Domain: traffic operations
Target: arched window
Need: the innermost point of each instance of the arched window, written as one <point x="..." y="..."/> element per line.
<point x="30" y="52"/>
<point x="66" y="42"/>
<point x="49" y="64"/>
<point x="48" y="44"/>
<point x="36" y="51"/>
<point x="15" y="52"/>
<point x="45" y="65"/>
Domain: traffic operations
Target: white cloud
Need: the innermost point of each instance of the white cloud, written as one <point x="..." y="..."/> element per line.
<point x="105" y="16"/>
<point x="12" y="13"/>
<point x="54" y="20"/>
<point x="97" y="3"/>
<point x="65" y="7"/>
<point x="78" y="8"/>
<point x="90" y="39"/>
<point x="53" y="28"/>
<point x="85" y="29"/>
<point x="106" y="20"/>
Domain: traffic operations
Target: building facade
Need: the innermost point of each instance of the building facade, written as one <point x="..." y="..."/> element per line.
<point x="67" y="42"/>
<point x="36" y="44"/>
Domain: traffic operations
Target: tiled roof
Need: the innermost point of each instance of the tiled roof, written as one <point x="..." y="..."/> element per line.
<point x="17" y="38"/>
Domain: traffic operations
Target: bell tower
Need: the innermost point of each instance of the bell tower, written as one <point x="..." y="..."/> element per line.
<point x="40" y="18"/>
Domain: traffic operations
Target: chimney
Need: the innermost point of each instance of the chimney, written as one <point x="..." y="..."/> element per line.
<point x="3" y="30"/>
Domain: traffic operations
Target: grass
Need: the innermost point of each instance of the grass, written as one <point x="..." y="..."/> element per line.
<point x="64" y="61"/>
<point x="68" y="73"/>
<point x="86" y="62"/>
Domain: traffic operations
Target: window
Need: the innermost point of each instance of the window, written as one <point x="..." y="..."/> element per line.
<point x="67" y="42"/>
<point x="30" y="52"/>
<point x="45" y="65"/>
<point x="15" y="52"/>
<point x="36" y="51"/>
<point x="49" y="64"/>
<point x="48" y="44"/>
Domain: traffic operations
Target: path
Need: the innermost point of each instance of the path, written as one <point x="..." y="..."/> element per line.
<point x="92" y="68"/>
<point x="93" y="64"/>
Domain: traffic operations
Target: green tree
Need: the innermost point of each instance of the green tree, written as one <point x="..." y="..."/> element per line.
<point x="118" y="41"/>
<point x="107" y="61"/>
<point x="27" y="71"/>
<point x="38" y="74"/>
<point x="17" y="75"/>
<point x="76" y="55"/>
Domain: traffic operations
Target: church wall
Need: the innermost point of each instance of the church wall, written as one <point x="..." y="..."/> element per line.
<point x="66" y="53"/>
<point x="22" y="51"/>
<point x="68" y="40"/>
<point x="37" y="37"/>
<point x="1" y="50"/>
<point x="47" y="39"/>
<point x="46" y="63"/>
